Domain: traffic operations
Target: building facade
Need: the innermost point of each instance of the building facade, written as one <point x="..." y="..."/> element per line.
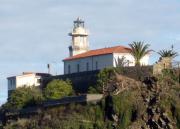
<point x="100" y="59"/>
<point x="26" y="79"/>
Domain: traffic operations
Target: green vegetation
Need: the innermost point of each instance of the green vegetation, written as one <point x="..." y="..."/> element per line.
<point x="57" y="89"/>
<point x="77" y="116"/>
<point x="126" y="110"/>
<point x="169" y="75"/>
<point x="138" y="51"/>
<point x="128" y="107"/>
<point x="90" y="116"/>
<point x="103" y="79"/>
<point x="32" y="96"/>
<point x="73" y="116"/>
<point x="23" y="97"/>
<point x="177" y="115"/>
<point x="170" y="97"/>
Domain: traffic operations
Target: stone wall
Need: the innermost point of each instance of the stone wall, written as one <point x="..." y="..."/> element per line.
<point x="163" y="63"/>
<point x="138" y="72"/>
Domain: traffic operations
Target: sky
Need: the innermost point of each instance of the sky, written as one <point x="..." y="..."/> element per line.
<point x="35" y="32"/>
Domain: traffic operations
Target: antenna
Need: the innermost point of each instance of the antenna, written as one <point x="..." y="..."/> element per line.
<point x="48" y="66"/>
<point x="172" y="46"/>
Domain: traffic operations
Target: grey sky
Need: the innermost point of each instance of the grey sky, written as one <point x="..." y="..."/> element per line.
<point x="34" y="32"/>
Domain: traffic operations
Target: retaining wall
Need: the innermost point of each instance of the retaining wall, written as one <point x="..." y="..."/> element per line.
<point x="83" y="80"/>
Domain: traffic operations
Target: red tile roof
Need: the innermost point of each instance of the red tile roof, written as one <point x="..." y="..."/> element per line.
<point x="103" y="51"/>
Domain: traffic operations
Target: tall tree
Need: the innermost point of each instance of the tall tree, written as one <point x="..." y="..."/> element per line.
<point x="139" y="50"/>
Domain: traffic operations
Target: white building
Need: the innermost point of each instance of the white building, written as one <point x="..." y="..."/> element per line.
<point x="26" y="79"/>
<point x="82" y="59"/>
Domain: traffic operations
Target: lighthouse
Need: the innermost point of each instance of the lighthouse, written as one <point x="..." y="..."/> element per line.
<point x="79" y="35"/>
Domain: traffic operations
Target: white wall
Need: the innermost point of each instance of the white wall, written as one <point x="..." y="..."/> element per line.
<point x="103" y="61"/>
<point x="145" y="60"/>
<point x="23" y="80"/>
<point x="28" y="80"/>
<point x="130" y="58"/>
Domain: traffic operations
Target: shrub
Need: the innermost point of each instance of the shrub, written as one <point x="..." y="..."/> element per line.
<point x="57" y="89"/>
<point x="123" y="107"/>
<point x="23" y="97"/>
<point x="169" y="73"/>
<point x="127" y="107"/>
<point x="92" y="90"/>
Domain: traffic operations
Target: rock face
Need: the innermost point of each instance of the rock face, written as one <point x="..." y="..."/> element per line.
<point x="121" y="83"/>
<point x="154" y="117"/>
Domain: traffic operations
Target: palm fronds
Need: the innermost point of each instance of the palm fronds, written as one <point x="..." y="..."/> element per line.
<point x="139" y="50"/>
<point x="167" y="53"/>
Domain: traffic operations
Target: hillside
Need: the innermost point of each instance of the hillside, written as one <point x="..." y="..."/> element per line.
<point x="153" y="103"/>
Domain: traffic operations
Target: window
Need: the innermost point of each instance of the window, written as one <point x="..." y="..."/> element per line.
<point x="78" y="67"/>
<point x="69" y="69"/>
<point x="87" y="66"/>
<point x="12" y="82"/>
<point x="96" y="65"/>
<point x="39" y="81"/>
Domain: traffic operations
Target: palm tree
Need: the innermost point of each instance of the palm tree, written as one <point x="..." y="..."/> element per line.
<point x="168" y="53"/>
<point x="138" y="51"/>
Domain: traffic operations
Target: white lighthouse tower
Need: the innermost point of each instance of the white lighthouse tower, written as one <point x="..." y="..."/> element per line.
<point x="79" y="36"/>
